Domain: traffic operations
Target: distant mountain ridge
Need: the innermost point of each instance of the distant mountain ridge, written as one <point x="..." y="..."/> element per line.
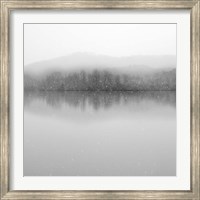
<point x="89" y="62"/>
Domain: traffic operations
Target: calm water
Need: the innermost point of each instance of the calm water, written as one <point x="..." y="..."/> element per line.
<point x="100" y="134"/>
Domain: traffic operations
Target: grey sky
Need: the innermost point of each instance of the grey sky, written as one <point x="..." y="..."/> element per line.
<point x="47" y="41"/>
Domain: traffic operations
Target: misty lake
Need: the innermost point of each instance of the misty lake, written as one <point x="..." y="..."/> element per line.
<point x="100" y="133"/>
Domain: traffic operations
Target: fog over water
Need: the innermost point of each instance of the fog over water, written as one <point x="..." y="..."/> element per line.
<point x="100" y="99"/>
<point x="100" y="133"/>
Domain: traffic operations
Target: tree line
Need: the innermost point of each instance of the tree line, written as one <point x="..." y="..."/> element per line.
<point x="102" y="81"/>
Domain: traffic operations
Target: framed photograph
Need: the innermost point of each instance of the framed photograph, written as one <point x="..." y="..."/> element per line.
<point x="100" y="99"/>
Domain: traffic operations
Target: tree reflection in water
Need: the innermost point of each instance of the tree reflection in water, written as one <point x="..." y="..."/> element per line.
<point x="98" y="100"/>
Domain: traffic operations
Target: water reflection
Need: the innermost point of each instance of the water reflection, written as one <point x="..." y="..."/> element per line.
<point x="100" y="133"/>
<point x="98" y="100"/>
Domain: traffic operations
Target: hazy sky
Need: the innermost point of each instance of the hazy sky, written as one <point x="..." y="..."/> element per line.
<point x="47" y="41"/>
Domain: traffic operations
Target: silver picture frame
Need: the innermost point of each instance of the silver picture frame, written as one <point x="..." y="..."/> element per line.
<point x="7" y="6"/>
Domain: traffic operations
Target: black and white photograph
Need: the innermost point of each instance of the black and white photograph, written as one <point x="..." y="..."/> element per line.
<point x="99" y="99"/>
